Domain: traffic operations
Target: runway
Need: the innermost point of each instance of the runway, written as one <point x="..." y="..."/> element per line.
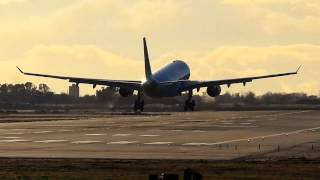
<point x="196" y="135"/>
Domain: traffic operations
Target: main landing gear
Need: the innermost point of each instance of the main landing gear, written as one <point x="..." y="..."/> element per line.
<point x="189" y="103"/>
<point x="139" y="103"/>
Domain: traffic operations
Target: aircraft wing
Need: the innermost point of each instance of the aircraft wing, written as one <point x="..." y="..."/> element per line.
<point x="135" y="85"/>
<point x="187" y="85"/>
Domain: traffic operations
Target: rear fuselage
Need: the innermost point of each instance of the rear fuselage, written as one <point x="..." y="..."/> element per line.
<point x="177" y="70"/>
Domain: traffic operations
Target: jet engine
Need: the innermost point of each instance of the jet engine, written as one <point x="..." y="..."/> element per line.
<point x="214" y="91"/>
<point x="124" y="92"/>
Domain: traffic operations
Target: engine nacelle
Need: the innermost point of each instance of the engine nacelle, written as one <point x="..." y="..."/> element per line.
<point x="214" y="91"/>
<point x="124" y="92"/>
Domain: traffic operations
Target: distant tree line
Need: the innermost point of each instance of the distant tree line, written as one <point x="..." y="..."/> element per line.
<point x="268" y="98"/>
<point x="30" y="94"/>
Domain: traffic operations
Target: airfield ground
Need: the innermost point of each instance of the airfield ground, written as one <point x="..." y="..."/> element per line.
<point x="202" y="140"/>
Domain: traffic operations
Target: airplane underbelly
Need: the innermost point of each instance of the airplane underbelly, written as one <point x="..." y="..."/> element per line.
<point x="162" y="91"/>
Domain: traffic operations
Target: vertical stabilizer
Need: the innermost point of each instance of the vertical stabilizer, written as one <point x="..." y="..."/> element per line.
<point x="147" y="66"/>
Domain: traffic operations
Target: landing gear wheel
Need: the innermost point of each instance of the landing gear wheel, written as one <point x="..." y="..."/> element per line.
<point x="138" y="105"/>
<point x="142" y="105"/>
<point x="189" y="105"/>
<point x="192" y="105"/>
<point x="186" y="105"/>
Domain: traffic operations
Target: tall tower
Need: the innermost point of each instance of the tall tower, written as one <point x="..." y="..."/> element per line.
<point x="74" y="90"/>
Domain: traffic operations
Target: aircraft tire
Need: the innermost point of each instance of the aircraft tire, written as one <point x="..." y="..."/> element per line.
<point x="192" y="105"/>
<point x="141" y="105"/>
<point x="185" y="108"/>
<point x="135" y="108"/>
<point x="186" y="105"/>
<point x="138" y="105"/>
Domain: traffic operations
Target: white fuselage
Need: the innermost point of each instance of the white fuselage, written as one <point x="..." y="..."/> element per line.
<point x="156" y="88"/>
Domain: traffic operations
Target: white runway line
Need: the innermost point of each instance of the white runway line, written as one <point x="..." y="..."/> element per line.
<point x="18" y="129"/>
<point x="13" y="140"/>
<point x="122" y="135"/>
<point x="230" y="123"/>
<point x="198" y="131"/>
<point x="159" y="143"/>
<point x="195" y="144"/>
<point x="95" y="134"/>
<point x="12" y="137"/>
<point x="14" y="133"/>
<point x="226" y="121"/>
<point x="282" y="114"/>
<point x="245" y="123"/>
<point x="88" y="129"/>
<point x="149" y="135"/>
<point x="260" y="137"/>
<point x="233" y="126"/>
<point x="65" y="130"/>
<point x="42" y="132"/>
<point x="123" y="142"/>
<point x="51" y="141"/>
<point x="177" y="130"/>
<point x="85" y="142"/>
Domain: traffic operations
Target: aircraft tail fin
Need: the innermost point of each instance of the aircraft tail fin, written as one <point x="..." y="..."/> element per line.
<point x="147" y="66"/>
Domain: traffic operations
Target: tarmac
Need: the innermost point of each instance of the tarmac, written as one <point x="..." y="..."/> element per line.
<point x="221" y="135"/>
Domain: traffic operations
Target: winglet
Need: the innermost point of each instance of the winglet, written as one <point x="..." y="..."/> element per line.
<point x="298" y="69"/>
<point x="147" y="66"/>
<point x="20" y="70"/>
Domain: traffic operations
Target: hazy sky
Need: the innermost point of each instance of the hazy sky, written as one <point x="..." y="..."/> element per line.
<point x="217" y="38"/>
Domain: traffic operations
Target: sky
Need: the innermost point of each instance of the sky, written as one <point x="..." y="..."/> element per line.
<point x="218" y="39"/>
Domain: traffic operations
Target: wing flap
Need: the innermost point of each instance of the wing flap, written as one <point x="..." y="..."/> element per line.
<point x="135" y="85"/>
<point x="187" y="85"/>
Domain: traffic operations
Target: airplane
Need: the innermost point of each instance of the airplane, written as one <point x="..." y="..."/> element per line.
<point x="169" y="81"/>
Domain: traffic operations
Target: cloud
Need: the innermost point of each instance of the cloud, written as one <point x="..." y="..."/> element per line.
<point x="100" y="22"/>
<point x="282" y="17"/>
<point x="242" y="61"/>
<point x="10" y="1"/>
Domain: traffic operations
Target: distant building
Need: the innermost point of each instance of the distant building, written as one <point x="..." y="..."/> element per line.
<point x="74" y="90"/>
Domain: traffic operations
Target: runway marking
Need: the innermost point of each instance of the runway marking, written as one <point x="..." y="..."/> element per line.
<point x="195" y="144"/>
<point x="14" y="133"/>
<point x="88" y="129"/>
<point x="245" y="123"/>
<point x="42" y="132"/>
<point x="282" y="114"/>
<point x="18" y="129"/>
<point x="95" y="134"/>
<point x="85" y="142"/>
<point x="249" y="139"/>
<point x="65" y="130"/>
<point x="234" y="126"/>
<point x="177" y="130"/>
<point x="198" y="131"/>
<point x="122" y="135"/>
<point x="13" y="137"/>
<point x="226" y="121"/>
<point x="123" y="142"/>
<point x="264" y="115"/>
<point x="13" y="140"/>
<point x="51" y="141"/>
<point x="149" y="135"/>
<point x="159" y="143"/>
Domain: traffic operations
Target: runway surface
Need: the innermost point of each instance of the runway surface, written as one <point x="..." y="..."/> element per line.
<point x="196" y="135"/>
